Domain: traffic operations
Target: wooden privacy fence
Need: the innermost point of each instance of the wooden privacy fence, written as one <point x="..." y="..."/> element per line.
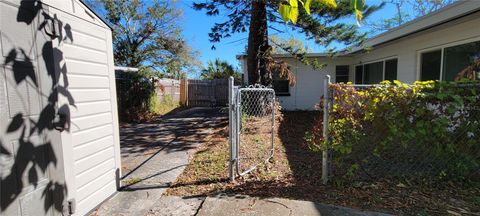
<point x="168" y="88"/>
<point x="204" y="93"/>
<point x="134" y="94"/>
<point x="192" y="92"/>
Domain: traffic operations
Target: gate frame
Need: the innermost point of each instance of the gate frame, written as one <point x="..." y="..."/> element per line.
<point x="234" y="107"/>
<point x="231" y="128"/>
<point x="326" y="109"/>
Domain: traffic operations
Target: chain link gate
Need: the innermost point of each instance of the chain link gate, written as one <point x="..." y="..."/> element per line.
<point x="251" y="127"/>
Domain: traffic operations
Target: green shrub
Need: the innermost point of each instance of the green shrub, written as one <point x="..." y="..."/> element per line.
<point x="166" y="105"/>
<point x="428" y="129"/>
<point x="137" y="97"/>
<point x="134" y="94"/>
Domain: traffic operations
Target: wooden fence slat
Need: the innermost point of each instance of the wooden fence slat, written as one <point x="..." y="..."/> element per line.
<point x="207" y="92"/>
<point x="168" y="87"/>
<point x="184" y="92"/>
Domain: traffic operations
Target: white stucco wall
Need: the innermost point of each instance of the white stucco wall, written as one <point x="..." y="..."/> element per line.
<point x="306" y="93"/>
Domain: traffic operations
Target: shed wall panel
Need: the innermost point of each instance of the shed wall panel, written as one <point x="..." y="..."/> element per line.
<point x="90" y="108"/>
<point x="92" y="161"/>
<point x="87" y="177"/>
<point x="91" y="121"/>
<point x="88" y="82"/>
<point x="90" y="202"/>
<point x="88" y="189"/>
<point x="83" y="67"/>
<point x="93" y="135"/>
<point x="89" y="135"/>
<point x="85" y="95"/>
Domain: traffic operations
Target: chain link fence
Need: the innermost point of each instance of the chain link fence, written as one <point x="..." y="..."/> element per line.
<point x="252" y="127"/>
<point x="426" y="132"/>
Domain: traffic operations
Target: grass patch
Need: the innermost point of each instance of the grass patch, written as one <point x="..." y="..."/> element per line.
<point x="295" y="173"/>
<point x="131" y="181"/>
<point x="164" y="106"/>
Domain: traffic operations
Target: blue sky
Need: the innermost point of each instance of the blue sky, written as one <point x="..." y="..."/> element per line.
<point x="196" y="26"/>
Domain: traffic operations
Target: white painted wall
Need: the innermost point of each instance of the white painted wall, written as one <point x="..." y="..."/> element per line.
<point x="309" y="85"/>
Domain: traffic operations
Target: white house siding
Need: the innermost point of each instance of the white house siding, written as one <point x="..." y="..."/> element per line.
<point x="92" y="145"/>
<point x="305" y="95"/>
<point x="407" y="49"/>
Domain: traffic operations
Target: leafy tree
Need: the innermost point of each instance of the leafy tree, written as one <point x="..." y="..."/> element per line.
<point x="147" y="34"/>
<point x="402" y="15"/>
<point x="319" y="21"/>
<point x="220" y="69"/>
<point x="424" y="7"/>
<point x="278" y="45"/>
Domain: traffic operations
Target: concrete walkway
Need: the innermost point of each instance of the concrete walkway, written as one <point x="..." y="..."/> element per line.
<point x="154" y="155"/>
<point x="249" y="206"/>
<point x="252" y="206"/>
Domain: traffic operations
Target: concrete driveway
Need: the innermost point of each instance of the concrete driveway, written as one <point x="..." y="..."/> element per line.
<point x="154" y="154"/>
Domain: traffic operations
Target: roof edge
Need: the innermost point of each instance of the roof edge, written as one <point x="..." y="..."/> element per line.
<point x="288" y="55"/>
<point x="448" y="13"/>
<point x="96" y="14"/>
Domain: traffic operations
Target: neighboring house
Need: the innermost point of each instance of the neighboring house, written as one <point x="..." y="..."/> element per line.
<point x="59" y="132"/>
<point x="434" y="47"/>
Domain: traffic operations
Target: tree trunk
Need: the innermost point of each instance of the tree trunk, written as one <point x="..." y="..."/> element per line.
<point x="258" y="45"/>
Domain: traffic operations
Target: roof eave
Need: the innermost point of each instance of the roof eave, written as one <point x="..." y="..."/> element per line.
<point x="447" y="14"/>
<point x="96" y="14"/>
<point x="311" y="55"/>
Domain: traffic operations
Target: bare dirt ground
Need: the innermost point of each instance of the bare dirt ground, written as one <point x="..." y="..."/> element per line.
<point x="295" y="173"/>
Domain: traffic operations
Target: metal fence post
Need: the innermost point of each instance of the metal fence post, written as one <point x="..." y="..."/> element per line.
<point x="273" y="124"/>
<point x="326" y="83"/>
<point x="231" y="131"/>
<point x="238" y="125"/>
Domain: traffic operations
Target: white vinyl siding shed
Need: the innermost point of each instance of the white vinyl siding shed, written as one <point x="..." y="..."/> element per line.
<point x="94" y="133"/>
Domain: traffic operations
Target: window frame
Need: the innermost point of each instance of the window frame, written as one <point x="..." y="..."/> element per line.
<point x="441" y="47"/>
<point x="282" y="93"/>
<point x="348" y="74"/>
<point x="419" y="59"/>
<point x="355" y="73"/>
<point x="383" y="60"/>
<point x="385" y="67"/>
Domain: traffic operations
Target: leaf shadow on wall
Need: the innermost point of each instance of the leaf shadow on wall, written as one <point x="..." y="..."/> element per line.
<point x="33" y="156"/>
